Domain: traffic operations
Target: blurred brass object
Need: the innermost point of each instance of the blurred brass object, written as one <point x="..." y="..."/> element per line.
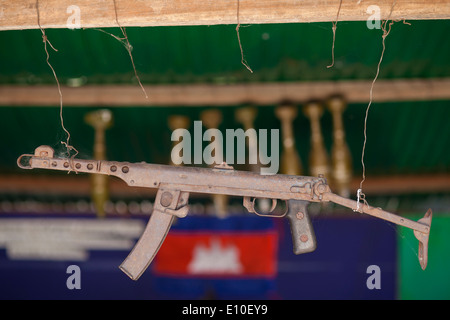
<point x="290" y="159"/>
<point x="100" y="120"/>
<point x="211" y="119"/>
<point x="341" y="160"/>
<point x="319" y="163"/>
<point x="178" y="122"/>
<point x="246" y="116"/>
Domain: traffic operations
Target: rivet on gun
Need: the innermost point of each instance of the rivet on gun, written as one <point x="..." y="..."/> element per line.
<point x="90" y="166"/>
<point x="54" y="164"/>
<point x="78" y="165"/>
<point x="113" y="168"/>
<point x="321" y="188"/>
<point x="166" y="199"/>
<point x="125" y="169"/>
<point x="300" y="215"/>
<point x="303" y="238"/>
<point x="66" y="164"/>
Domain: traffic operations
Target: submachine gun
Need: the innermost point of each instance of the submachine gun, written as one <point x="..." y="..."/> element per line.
<point x="175" y="183"/>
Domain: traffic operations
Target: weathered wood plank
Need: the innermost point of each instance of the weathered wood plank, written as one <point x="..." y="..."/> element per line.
<point x="192" y="95"/>
<point x="22" y="14"/>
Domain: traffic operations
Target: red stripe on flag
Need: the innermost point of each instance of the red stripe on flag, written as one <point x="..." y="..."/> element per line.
<point x="218" y="254"/>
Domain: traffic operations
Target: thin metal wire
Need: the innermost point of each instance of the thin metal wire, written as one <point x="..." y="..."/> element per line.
<point x="128" y="47"/>
<point x="45" y="40"/>
<point x="243" y="61"/>
<point x="334" y="35"/>
<point x="386" y="27"/>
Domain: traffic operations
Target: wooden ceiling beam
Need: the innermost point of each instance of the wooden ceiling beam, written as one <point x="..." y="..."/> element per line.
<point x="22" y="14"/>
<point x="192" y="95"/>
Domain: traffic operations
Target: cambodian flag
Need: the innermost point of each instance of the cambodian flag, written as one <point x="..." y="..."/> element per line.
<point x="209" y="257"/>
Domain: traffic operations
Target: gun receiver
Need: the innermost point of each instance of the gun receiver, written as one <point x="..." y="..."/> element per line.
<point x="175" y="183"/>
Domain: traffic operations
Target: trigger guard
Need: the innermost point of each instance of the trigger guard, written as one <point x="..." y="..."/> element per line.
<point x="249" y="204"/>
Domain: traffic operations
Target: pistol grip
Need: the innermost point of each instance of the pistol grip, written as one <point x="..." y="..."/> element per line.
<point x="303" y="236"/>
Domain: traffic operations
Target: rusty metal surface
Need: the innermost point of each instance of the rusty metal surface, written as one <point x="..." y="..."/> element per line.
<point x="148" y="244"/>
<point x="303" y="236"/>
<point x="423" y="239"/>
<point x="421" y="228"/>
<point x="220" y="180"/>
<point x="174" y="184"/>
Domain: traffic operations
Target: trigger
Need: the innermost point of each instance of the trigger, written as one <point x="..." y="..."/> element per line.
<point x="249" y="205"/>
<point x="274" y="204"/>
